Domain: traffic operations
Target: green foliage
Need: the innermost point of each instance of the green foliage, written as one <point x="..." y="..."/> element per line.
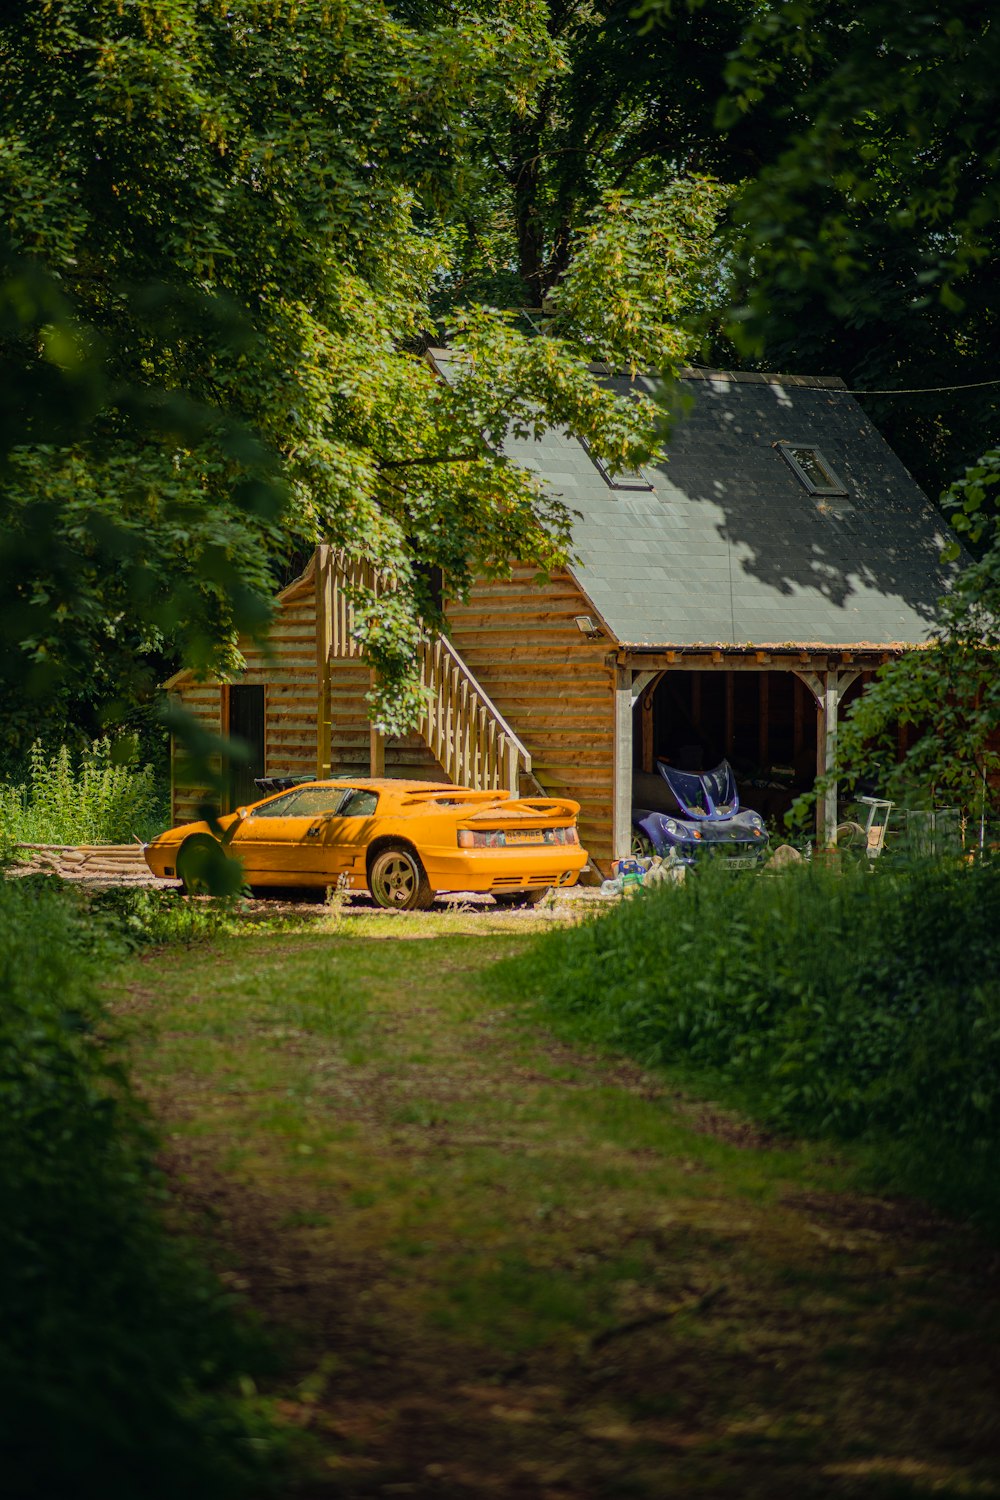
<point x="948" y="692"/>
<point x="118" y="1350"/>
<point x="621" y="112"/>
<point x="839" y="1004"/>
<point x="869" y="245"/>
<point x="230" y="227"/>
<point x="99" y="797"/>
<point x="136" y="918"/>
<point x="643" y="276"/>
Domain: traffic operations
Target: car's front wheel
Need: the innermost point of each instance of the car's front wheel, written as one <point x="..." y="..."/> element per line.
<point x="397" y="879"/>
<point x="195" y="859"/>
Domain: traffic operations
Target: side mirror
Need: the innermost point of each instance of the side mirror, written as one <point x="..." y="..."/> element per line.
<point x="242" y="813"/>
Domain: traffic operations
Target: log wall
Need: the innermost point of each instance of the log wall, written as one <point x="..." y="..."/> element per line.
<point x="551" y="684"/>
<point x="203" y="700"/>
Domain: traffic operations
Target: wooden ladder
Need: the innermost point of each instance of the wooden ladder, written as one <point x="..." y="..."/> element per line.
<point x="461" y="726"/>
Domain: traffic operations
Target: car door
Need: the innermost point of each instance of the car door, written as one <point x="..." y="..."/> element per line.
<point x="339" y="845"/>
<point x="277" y="839"/>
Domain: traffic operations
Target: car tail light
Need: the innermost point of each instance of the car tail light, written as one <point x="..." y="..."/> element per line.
<point x="481" y="838"/>
<point x="566" y="836"/>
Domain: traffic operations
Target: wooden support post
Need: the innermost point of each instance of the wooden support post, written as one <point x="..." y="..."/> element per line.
<point x="376" y="747"/>
<point x="647" y="731"/>
<point x="643" y="686"/>
<point x="513" y="768"/>
<point x="622" y="835"/>
<point x="827" y="689"/>
<point x="323" y="584"/>
<point x="826" y="761"/>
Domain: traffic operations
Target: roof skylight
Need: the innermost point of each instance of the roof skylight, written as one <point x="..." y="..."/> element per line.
<point x="809" y="465"/>
<point x="624" y="479"/>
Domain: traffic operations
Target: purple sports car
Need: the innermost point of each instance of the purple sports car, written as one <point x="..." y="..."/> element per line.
<point x="708" y="820"/>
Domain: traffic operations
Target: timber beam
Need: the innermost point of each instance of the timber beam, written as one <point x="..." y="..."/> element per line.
<point x="756" y="660"/>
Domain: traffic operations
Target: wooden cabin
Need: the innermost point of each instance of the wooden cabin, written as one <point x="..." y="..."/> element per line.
<point x="727" y="603"/>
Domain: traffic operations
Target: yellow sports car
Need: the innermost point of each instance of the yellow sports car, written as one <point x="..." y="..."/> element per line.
<point x="404" y="841"/>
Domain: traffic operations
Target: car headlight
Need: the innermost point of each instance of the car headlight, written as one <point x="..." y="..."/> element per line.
<point x="756" y="821"/>
<point x="669" y="826"/>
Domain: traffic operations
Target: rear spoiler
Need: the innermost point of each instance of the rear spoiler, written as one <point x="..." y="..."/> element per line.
<point x="547" y="807"/>
<point x="458" y="794"/>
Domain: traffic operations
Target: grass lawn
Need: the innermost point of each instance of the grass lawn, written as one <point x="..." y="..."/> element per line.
<point x="500" y="1266"/>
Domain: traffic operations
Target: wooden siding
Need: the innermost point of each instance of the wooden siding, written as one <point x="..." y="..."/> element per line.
<point x="350" y="731"/>
<point x="553" y="686"/>
<point x="287" y="670"/>
<point x="203" y="700"/>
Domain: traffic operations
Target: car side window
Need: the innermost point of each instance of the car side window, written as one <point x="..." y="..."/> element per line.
<point x="358" y="804"/>
<point x="281" y="807"/>
<point x="303" y="802"/>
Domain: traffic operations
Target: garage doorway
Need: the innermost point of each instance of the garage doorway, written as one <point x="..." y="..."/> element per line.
<point x="763" y="723"/>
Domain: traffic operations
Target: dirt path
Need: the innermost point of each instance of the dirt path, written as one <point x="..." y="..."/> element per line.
<point x="504" y="1268"/>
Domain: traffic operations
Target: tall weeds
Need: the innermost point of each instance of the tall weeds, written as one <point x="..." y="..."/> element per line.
<point x="103" y="797"/>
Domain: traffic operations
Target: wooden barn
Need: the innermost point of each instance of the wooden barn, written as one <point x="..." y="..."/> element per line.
<point x="727" y="603"/>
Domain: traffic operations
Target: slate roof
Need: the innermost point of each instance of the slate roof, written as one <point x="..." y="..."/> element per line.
<point x="730" y="548"/>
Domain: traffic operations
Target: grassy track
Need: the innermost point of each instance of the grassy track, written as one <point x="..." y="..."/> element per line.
<point x="500" y="1267"/>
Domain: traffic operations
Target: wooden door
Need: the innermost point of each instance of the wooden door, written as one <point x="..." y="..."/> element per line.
<point x="246" y="723"/>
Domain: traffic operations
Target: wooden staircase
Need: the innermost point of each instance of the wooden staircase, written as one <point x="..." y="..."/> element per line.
<point x="460" y="725"/>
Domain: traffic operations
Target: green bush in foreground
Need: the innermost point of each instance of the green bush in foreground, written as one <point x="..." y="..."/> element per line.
<point x="853" y="1004"/>
<point x="118" y="1354"/>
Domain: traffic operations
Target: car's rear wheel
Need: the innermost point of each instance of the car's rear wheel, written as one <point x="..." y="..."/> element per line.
<point x="194" y="860"/>
<point x="397" y="879"/>
<point x="521" y="898"/>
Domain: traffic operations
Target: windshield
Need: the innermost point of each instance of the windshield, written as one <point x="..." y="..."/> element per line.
<point x="711" y="794"/>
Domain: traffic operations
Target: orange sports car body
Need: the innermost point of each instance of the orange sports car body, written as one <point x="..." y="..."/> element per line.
<point x="403" y="841"/>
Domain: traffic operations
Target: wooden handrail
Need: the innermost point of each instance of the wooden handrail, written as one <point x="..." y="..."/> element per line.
<point x="461" y="726"/>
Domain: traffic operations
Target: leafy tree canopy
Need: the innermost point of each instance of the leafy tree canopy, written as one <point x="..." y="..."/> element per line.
<point x="624" y="110"/>
<point x="870" y="247"/>
<point x="224" y="224"/>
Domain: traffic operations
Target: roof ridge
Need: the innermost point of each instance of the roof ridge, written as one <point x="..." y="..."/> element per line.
<point x="698" y="372"/>
<point x="761" y="377"/>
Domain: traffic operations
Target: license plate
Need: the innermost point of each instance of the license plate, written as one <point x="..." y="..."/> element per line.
<point x="524" y="836"/>
<point x="737" y="862"/>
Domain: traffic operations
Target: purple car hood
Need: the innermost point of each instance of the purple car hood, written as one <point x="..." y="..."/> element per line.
<point x="710" y="796"/>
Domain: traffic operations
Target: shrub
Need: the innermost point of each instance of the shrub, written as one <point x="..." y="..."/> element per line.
<point x="117" y="1350"/>
<point x="839" y="1003"/>
<point x="104" y="799"/>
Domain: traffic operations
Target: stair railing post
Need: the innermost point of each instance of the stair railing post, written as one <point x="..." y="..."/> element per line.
<point x="513" y="767"/>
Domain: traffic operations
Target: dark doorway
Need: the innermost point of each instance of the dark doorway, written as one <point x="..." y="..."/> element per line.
<point x="246" y="723"/>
